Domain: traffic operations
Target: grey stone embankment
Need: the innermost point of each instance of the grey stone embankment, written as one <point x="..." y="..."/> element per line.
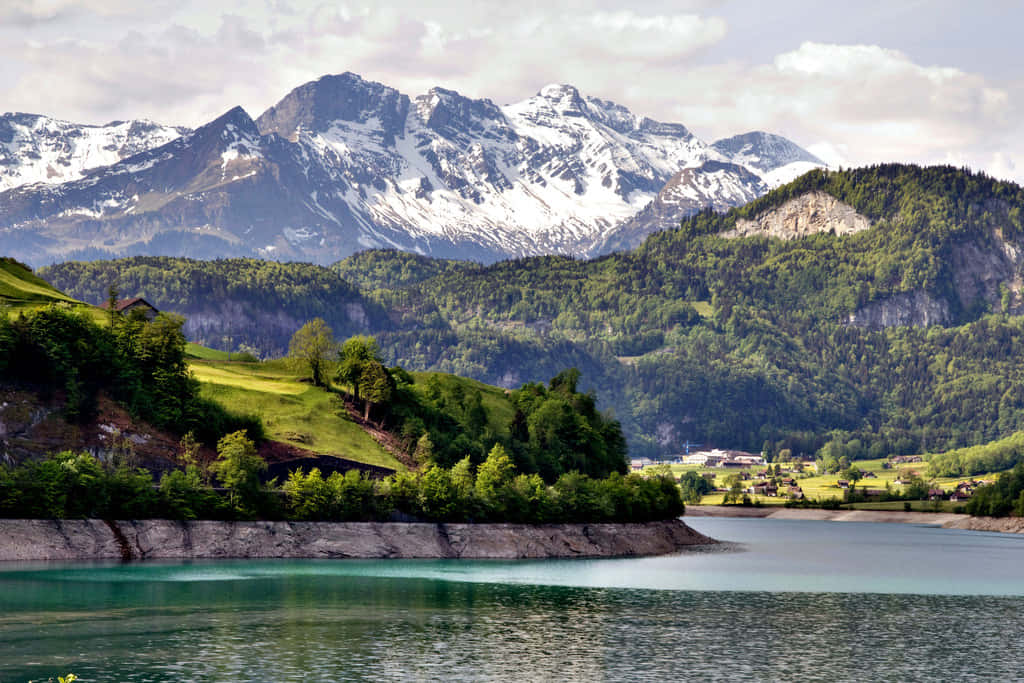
<point x="946" y="520"/>
<point x="35" y="539"/>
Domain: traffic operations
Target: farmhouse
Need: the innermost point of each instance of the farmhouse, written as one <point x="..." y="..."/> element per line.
<point x="129" y="306"/>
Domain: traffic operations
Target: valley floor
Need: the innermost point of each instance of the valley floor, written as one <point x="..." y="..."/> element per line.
<point x="942" y="519"/>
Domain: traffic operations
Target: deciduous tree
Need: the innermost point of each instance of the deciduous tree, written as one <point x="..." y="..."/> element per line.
<point x="311" y="348"/>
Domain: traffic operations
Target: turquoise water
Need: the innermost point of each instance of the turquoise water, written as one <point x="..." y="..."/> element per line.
<point x="792" y="600"/>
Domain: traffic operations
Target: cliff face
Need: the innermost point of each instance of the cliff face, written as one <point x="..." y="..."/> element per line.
<point x="35" y="539"/>
<point x="808" y="214"/>
<point x="986" y="270"/>
<point x="983" y="269"/>
<point x="917" y="309"/>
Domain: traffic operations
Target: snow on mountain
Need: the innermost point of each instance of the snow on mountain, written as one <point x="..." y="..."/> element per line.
<point x="342" y="164"/>
<point x="40" y="149"/>
<point x="774" y="158"/>
<point x="446" y="173"/>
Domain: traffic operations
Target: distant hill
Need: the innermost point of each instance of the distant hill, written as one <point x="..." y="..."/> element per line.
<point x="229" y="301"/>
<point x="873" y="310"/>
<point x="393" y="269"/>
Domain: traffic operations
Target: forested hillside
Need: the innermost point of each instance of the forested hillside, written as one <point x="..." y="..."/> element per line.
<point x="898" y="337"/>
<point x="228" y="302"/>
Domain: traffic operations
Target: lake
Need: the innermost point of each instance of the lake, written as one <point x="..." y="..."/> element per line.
<point x="791" y="600"/>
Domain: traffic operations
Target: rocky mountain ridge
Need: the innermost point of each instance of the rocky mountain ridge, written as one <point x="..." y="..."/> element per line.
<point x="343" y="164"/>
<point x="41" y="149"/>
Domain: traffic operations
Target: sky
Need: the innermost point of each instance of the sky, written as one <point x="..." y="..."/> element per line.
<point x="926" y="81"/>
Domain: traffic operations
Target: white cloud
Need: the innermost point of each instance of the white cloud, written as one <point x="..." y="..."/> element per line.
<point x="861" y="104"/>
<point x="186" y="61"/>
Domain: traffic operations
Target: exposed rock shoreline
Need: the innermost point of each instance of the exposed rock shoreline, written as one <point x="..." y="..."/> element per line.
<point x="946" y="520"/>
<point x="93" y="539"/>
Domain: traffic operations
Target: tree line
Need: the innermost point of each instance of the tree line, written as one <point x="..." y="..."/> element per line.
<point x="76" y="485"/>
<point x="137" y="362"/>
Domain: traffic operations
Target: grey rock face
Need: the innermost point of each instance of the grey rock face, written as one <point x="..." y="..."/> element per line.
<point x="914" y="309"/>
<point x="164" y="539"/>
<point x="809" y="214"/>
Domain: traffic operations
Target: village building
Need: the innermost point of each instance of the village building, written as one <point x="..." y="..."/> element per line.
<point x="721" y="458"/>
<point x="705" y="458"/>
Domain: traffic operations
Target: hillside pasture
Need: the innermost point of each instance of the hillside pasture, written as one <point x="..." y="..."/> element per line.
<point x="293" y="412"/>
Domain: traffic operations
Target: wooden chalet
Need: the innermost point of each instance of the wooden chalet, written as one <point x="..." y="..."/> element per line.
<point x="129" y="306"/>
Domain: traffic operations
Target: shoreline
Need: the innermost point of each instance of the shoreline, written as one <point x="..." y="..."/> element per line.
<point x="946" y="520"/>
<point x="129" y="540"/>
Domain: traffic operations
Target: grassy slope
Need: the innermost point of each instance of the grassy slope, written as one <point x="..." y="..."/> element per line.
<point x="204" y="353"/>
<point x="19" y="285"/>
<point x="22" y="291"/>
<point x="294" y="412"/>
<point x="499" y="410"/>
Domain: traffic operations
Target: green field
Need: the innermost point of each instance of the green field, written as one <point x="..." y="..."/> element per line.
<point x="204" y="353"/>
<point x="823" y="487"/>
<point x="292" y="411"/>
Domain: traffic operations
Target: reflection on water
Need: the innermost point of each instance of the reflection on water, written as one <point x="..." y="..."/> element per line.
<point x="589" y="620"/>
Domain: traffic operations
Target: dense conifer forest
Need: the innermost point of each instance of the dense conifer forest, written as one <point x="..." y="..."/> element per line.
<point x="743" y="343"/>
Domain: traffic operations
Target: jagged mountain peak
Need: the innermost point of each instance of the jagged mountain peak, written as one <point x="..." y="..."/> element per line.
<point x="342" y="163"/>
<point x="236" y="120"/>
<point x="41" y="149"/>
<point x="562" y="93"/>
<point x="456" y="116"/>
<point x="318" y="104"/>
<point x="561" y="100"/>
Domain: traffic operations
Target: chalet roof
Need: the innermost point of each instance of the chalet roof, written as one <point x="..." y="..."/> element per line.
<point x="122" y="304"/>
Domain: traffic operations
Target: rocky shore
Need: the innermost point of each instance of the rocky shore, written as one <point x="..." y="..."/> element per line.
<point x="91" y="539"/>
<point x="1012" y="525"/>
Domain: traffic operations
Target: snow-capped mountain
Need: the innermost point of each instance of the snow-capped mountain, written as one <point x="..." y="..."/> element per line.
<point x="773" y="157"/>
<point x="40" y="149"/>
<point x="342" y="164"/>
<point x="757" y="162"/>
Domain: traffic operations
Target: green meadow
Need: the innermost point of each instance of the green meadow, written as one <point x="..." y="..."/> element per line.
<point x="293" y="411"/>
